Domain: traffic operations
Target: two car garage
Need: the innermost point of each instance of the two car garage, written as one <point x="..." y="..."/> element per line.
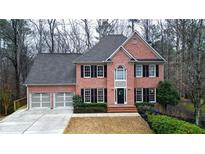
<point x="51" y="100"/>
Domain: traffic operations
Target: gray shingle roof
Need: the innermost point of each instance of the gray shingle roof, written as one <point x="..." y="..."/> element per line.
<point x="103" y="49"/>
<point x="52" y="69"/>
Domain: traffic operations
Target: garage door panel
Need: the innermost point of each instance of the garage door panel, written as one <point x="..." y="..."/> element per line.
<point x="33" y="105"/>
<point x="69" y="98"/>
<point x="59" y="104"/>
<point x="63" y="99"/>
<point x="68" y="103"/>
<point x="40" y="100"/>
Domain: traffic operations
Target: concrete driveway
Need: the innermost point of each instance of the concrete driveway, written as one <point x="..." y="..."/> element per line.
<point x="36" y="122"/>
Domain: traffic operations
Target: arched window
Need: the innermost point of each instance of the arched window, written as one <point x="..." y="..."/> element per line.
<point x="120" y="73"/>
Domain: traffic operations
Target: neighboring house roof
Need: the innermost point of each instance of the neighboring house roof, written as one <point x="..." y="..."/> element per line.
<point x="52" y="69"/>
<point x="102" y="50"/>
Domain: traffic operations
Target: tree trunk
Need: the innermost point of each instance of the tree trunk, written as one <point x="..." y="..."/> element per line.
<point x="197" y="115"/>
<point x="6" y="110"/>
<point x="17" y="86"/>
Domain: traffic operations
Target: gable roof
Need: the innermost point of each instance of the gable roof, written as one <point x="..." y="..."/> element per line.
<point x="102" y="50"/>
<point x="160" y="58"/>
<point x="52" y="69"/>
<point x="109" y="45"/>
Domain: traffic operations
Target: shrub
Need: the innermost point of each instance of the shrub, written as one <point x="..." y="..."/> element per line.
<point x="145" y="107"/>
<point x="90" y="108"/>
<point x="166" y="94"/>
<point x="77" y="99"/>
<point x="80" y="107"/>
<point x="162" y="124"/>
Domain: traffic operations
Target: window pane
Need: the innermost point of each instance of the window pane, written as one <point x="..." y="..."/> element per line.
<point x="139" y="70"/>
<point x="87" y="95"/>
<point x="100" y="95"/>
<point x="87" y="71"/>
<point x="120" y="73"/>
<point x="152" y="70"/>
<point x="152" y="94"/>
<point x="100" y="71"/>
<point x="139" y="94"/>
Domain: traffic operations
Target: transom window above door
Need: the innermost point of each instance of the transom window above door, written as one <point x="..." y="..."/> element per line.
<point x="120" y="73"/>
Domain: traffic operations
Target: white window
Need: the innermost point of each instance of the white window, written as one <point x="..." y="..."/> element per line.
<point x="138" y="70"/>
<point x="87" y="71"/>
<point x="152" y="95"/>
<point x="120" y="73"/>
<point x="87" y="95"/>
<point x="100" y="94"/>
<point x="139" y="95"/>
<point x="152" y="70"/>
<point x="100" y="71"/>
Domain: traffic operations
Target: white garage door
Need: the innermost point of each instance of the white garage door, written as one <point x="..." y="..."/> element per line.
<point x="63" y="100"/>
<point x="40" y="100"/>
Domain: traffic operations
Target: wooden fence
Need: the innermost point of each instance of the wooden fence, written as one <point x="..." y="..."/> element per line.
<point x="20" y="103"/>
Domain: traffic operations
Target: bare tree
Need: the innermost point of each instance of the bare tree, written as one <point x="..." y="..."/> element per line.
<point x="40" y="29"/>
<point x="87" y="33"/>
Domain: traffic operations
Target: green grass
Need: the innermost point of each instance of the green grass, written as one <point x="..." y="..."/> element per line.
<point x="190" y="106"/>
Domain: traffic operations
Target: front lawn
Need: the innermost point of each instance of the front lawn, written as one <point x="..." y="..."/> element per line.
<point x="107" y="125"/>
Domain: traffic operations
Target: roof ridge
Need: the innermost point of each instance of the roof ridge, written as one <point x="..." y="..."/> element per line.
<point x="59" y="53"/>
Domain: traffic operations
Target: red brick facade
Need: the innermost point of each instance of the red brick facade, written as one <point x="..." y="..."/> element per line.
<point x="138" y="49"/>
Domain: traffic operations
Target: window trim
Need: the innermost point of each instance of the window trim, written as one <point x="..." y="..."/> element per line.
<point x="154" y="70"/>
<point x="102" y="94"/>
<point x="90" y="94"/>
<point x="154" y="95"/>
<point x="84" y="71"/>
<point x="141" y="96"/>
<point x="141" y="70"/>
<point x="103" y="71"/>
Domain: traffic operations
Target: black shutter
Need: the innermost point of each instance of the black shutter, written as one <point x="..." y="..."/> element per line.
<point x="135" y="96"/>
<point x="147" y="70"/>
<point x="92" y="71"/>
<point x="134" y="70"/>
<point x="95" y="71"/>
<point x="105" y="94"/>
<point x="105" y="71"/>
<point x="147" y="94"/>
<point x="144" y="70"/>
<point x="82" y="71"/>
<point x="92" y="95"/>
<point x="157" y="70"/>
<point x="95" y="95"/>
<point x="82" y="94"/>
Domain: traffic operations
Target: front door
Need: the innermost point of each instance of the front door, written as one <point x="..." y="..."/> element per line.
<point x="120" y="96"/>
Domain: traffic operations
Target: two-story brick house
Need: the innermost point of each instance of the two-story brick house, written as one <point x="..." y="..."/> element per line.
<point x="118" y="71"/>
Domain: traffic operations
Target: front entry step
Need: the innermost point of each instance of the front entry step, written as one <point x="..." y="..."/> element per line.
<point x="121" y="109"/>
